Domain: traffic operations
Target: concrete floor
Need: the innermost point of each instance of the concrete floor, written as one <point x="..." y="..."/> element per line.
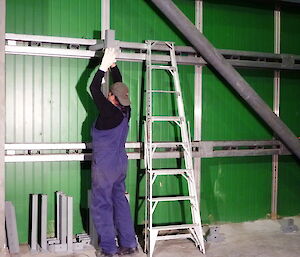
<point x="262" y="238"/>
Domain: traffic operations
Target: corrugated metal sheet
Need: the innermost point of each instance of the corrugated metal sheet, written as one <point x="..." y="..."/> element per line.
<point x="289" y="167"/>
<point x="239" y="188"/>
<point x="47" y="101"/>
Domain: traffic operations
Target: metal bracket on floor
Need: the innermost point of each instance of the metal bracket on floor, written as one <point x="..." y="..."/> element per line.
<point x="288" y="226"/>
<point x="214" y="235"/>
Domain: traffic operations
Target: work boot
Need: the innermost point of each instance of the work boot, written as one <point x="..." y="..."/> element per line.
<point x="127" y="250"/>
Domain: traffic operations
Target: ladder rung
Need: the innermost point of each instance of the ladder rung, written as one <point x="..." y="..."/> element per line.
<point x="165" y="118"/>
<point x="164" y="91"/>
<point x="160" y="43"/>
<point x="174" y="227"/>
<point x="167" y="144"/>
<point x="172" y="198"/>
<point x="162" y="67"/>
<point x="177" y="236"/>
<point x="170" y="171"/>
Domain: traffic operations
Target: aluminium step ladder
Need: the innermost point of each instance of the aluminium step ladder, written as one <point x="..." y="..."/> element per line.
<point x="154" y="233"/>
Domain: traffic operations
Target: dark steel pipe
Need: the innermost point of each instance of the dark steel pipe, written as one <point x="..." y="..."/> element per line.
<point x="214" y="58"/>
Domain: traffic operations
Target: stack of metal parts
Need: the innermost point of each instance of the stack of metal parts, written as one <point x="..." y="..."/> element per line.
<point x="64" y="240"/>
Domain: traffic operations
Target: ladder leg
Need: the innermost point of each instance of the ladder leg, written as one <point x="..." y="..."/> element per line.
<point x="153" y="237"/>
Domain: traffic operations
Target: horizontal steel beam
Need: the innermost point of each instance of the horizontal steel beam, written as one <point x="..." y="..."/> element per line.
<point x="20" y="44"/>
<point x="83" y="151"/>
<point x="49" y="39"/>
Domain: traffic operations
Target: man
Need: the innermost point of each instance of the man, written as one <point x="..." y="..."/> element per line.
<point x="110" y="208"/>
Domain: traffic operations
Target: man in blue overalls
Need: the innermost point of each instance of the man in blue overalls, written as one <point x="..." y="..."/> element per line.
<point x="110" y="208"/>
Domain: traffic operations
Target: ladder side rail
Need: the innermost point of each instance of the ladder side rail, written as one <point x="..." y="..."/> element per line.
<point x="185" y="138"/>
<point x="181" y="112"/>
<point x="149" y="149"/>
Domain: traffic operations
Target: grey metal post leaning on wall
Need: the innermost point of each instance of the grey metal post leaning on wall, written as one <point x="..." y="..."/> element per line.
<point x="2" y="124"/>
<point x="225" y="69"/>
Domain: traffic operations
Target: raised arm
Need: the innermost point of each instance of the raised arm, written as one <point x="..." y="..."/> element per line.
<point x="100" y="100"/>
<point x="115" y="73"/>
<point x="95" y="88"/>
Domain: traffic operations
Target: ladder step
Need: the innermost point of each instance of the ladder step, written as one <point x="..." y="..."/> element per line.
<point x="165" y="118"/>
<point x="167" y="144"/>
<point x="172" y="198"/>
<point x="162" y="67"/>
<point x="177" y="236"/>
<point x="170" y="171"/>
<point x="160" y="43"/>
<point x="164" y="91"/>
<point x="175" y="227"/>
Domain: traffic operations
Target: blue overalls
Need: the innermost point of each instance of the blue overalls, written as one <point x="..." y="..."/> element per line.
<point x="110" y="208"/>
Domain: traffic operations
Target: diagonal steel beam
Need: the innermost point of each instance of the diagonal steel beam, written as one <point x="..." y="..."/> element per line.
<point x="225" y="69"/>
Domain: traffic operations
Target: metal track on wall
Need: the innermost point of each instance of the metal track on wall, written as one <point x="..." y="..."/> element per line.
<point x="136" y="52"/>
<point x="43" y="152"/>
<point x="21" y="44"/>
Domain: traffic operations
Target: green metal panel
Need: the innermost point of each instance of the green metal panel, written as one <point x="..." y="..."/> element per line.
<point x="239" y="25"/>
<point x="47" y="101"/>
<point x="289" y="167"/>
<point x="236" y="189"/>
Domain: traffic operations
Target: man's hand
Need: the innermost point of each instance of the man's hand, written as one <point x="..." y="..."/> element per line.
<point x="108" y="59"/>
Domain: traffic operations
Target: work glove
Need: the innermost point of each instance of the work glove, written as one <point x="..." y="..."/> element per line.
<point x="108" y="59"/>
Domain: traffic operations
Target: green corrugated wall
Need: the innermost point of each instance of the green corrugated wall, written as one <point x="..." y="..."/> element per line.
<point x="47" y="101"/>
<point x="239" y="188"/>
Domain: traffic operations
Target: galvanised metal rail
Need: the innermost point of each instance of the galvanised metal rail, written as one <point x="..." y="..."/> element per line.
<point x="21" y="44"/>
<point x="42" y="152"/>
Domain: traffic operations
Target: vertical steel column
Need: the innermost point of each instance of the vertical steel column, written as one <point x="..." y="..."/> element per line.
<point x="92" y="231"/>
<point x="105" y="25"/>
<point x="226" y="70"/>
<point x="69" y="223"/>
<point x="2" y="124"/>
<point x="44" y="218"/>
<point x="58" y="193"/>
<point x="198" y="100"/>
<point x="276" y="103"/>
<point x="63" y="218"/>
<point x="34" y="223"/>
<point x="105" y="17"/>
